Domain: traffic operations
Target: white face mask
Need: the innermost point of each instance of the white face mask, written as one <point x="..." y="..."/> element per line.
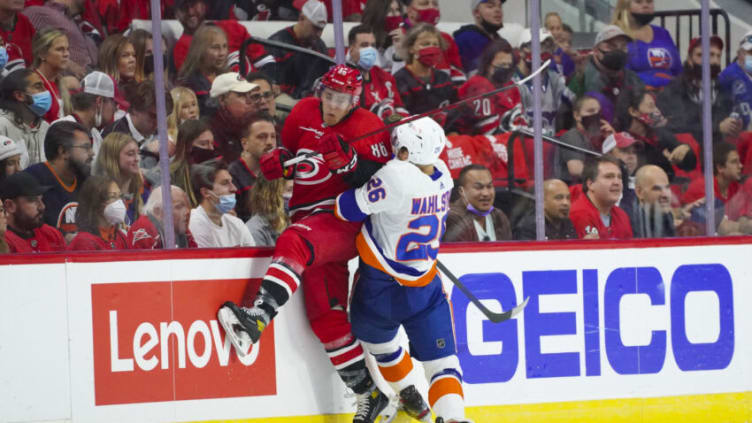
<point x="114" y="213"/>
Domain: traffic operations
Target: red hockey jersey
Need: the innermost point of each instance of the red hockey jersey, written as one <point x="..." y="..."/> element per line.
<point x="380" y="94"/>
<point x="315" y="186"/>
<point x="483" y="116"/>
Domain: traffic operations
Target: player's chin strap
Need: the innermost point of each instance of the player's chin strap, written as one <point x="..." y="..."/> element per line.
<point x="443" y="109"/>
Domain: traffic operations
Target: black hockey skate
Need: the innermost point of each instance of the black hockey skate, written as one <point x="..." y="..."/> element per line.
<point x="242" y="325"/>
<point x="412" y="403"/>
<point x="371" y="405"/>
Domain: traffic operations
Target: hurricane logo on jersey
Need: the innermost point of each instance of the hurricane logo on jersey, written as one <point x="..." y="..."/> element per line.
<point x="659" y="58"/>
<point x="311" y="171"/>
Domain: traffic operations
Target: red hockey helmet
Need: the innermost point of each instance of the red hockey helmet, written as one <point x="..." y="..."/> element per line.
<point x="343" y="79"/>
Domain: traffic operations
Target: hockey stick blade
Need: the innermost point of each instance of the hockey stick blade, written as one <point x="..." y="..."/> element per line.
<point x="490" y="315"/>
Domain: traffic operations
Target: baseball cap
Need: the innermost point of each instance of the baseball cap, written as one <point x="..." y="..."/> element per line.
<point x="609" y="32"/>
<point x="746" y="43"/>
<point x="230" y="82"/>
<point x="315" y="11"/>
<point x="21" y="184"/>
<point x="475" y="3"/>
<point x="697" y="42"/>
<point x="99" y="83"/>
<point x="527" y="36"/>
<point x="8" y="148"/>
<point x="619" y="139"/>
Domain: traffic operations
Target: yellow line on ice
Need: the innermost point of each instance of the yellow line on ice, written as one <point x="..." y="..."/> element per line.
<point x="716" y="408"/>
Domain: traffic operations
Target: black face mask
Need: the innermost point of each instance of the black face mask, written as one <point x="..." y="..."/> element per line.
<point x="643" y="18"/>
<point x="502" y="74"/>
<point x="614" y="60"/>
<point x="149" y="63"/>
<point x="592" y="124"/>
<point x="200" y="155"/>
<point x="489" y="27"/>
<point x="696" y="71"/>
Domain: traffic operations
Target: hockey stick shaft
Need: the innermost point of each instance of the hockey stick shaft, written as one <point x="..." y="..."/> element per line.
<point x="494" y="317"/>
<point x="455" y="104"/>
<point x="285" y="46"/>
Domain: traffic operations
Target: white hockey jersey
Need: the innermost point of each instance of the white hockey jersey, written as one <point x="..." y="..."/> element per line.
<point x="405" y="216"/>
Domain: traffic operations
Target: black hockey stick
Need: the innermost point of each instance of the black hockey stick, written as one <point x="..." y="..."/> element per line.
<point x="494" y="317"/>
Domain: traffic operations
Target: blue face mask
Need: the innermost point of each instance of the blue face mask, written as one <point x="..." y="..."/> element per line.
<point x="41" y="103"/>
<point x="748" y="63"/>
<point x="368" y="57"/>
<point x="226" y="203"/>
<point x="3" y="57"/>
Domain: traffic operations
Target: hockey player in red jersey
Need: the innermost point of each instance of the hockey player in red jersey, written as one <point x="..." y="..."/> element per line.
<point x="317" y="246"/>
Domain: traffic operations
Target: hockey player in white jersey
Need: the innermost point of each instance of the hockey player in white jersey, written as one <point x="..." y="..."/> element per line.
<point x="404" y="208"/>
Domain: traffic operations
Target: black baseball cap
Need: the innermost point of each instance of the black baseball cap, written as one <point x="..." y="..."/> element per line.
<point x="21" y="184"/>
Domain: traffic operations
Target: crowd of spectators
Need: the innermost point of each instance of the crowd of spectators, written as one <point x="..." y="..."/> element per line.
<point x="79" y="149"/>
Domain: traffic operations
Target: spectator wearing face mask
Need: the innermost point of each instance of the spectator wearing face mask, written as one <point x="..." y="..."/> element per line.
<point x="473" y="39"/>
<point x="681" y="100"/>
<point x="26" y="232"/>
<point x="17" y="32"/>
<point x="422" y="86"/>
<point x="269" y="202"/>
<point x="589" y="132"/>
<point x="23" y="103"/>
<point x="556" y="98"/>
<point x="69" y="159"/>
<point x="556" y="205"/>
<point x="652" y="55"/>
<point x="474" y="218"/>
<point x="484" y="115"/>
<point x="50" y="47"/>
<point x="380" y="95"/>
<point x="119" y="159"/>
<point x="386" y="19"/>
<point x="606" y="70"/>
<point x="100" y="216"/>
<point x="211" y="223"/>
<point x="428" y="12"/>
<point x="94" y="106"/>
<point x="638" y="114"/>
<point x="148" y="232"/>
<point x="737" y="80"/>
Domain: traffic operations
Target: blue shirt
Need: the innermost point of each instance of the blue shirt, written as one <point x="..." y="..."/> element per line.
<point x="657" y="62"/>
<point x="471" y="42"/>
<point x="738" y="84"/>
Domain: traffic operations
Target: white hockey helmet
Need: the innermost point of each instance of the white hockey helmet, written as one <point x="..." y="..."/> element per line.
<point x="423" y="138"/>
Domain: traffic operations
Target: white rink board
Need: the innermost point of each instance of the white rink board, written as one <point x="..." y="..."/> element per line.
<point x="636" y="345"/>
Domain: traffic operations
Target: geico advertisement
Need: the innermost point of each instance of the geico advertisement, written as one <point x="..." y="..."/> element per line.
<point x="602" y="331"/>
<point x="160" y="341"/>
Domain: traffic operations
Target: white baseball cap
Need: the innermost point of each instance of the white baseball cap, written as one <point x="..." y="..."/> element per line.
<point x="746" y="43"/>
<point x="8" y="148"/>
<point x="527" y="36"/>
<point x="230" y="82"/>
<point x="315" y="11"/>
<point x="99" y="83"/>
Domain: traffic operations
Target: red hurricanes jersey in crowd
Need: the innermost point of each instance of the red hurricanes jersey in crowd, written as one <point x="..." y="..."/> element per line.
<point x="315" y="186"/>
<point x="483" y="115"/>
<point x="85" y="241"/>
<point x="143" y="235"/>
<point x="380" y="94"/>
<point x="452" y="61"/>
<point x="587" y="220"/>
<point x="236" y="34"/>
<point x="45" y="239"/>
<point x="18" y="39"/>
